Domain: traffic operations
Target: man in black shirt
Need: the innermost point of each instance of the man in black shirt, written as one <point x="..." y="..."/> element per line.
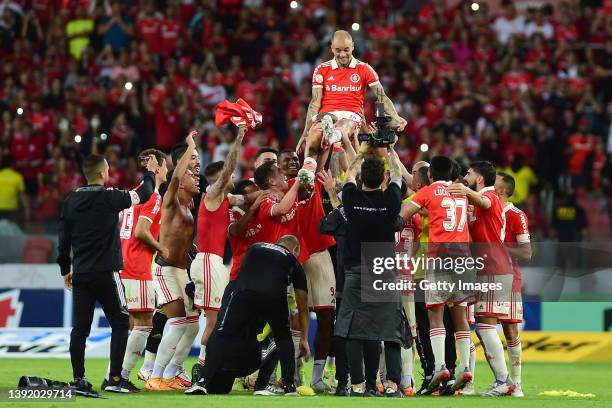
<point x="259" y="296"/>
<point x="372" y="218"/>
<point x="88" y="226"/>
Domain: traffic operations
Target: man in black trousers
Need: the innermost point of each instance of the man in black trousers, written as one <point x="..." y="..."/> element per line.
<point x="259" y="296"/>
<point x="88" y="226"/>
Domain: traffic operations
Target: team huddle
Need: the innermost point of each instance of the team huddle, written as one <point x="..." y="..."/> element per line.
<point x="173" y="248"/>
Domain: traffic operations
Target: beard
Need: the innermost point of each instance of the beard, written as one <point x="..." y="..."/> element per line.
<point x="472" y="186"/>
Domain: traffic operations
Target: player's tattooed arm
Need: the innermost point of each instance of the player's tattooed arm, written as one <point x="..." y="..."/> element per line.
<point x="215" y="191"/>
<point x="389" y="107"/>
<point x="395" y="172"/>
<point x="180" y="170"/>
<point x="351" y="172"/>
<point x="313" y="109"/>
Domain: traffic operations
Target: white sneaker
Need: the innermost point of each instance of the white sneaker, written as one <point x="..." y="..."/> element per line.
<point x="499" y="388"/>
<point x="518" y="391"/>
<point x="320" y="387"/>
<point x="329" y="133"/>
<point x="469" y="389"/>
<point x="269" y="391"/>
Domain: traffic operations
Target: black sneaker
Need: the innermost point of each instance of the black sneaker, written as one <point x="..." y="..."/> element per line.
<point x="448" y="386"/>
<point x="84" y="388"/>
<point x="353" y="393"/>
<point x="424" y="386"/>
<point x="342" y="390"/>
<point x="196" y="372"/>
<point x="290" y="391"/>
<point x="128" y="385"/>
<point x="373" y="392"/>
<point x="115" y="386"/>
<point x="197" y="388"/>
<point x="391" y="393"/>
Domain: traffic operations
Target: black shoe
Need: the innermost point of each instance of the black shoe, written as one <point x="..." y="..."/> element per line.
<point x="115" y="386"/>
<point x="372" y="392"/>
<point x="391" y="393"/>
<point x="197" y="388"/>
<point x="128" y="385"/>
<point x="196" y="372"/>
<point x="104" y="384"/>
<point x="290" y="391"/>
<point x="353" y="393"/>
<point x="342" y="390"/>
<point x="447" y="387"/>
<point x="84" y="387"/>
<point x="424" y="386"/>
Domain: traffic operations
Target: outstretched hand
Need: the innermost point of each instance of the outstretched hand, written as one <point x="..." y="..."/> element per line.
<point x="190" y="138"/>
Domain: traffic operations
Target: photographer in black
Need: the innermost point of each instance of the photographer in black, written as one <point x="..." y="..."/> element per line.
<point x="366" y="317"/>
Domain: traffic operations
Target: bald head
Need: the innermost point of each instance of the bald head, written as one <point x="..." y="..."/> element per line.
<point x="418" y="165"/>
<point x="291" y="243"/>
<point x="342" y="47"/>
<point x="419" y="175"/>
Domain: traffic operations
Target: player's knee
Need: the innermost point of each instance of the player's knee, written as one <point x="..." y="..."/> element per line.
<point x="79" y="333"/>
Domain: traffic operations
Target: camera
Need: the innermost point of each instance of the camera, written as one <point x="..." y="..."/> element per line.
<point x="384" y="135"/>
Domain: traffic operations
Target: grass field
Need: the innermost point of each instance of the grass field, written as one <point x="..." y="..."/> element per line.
<point x="537" y="377"/>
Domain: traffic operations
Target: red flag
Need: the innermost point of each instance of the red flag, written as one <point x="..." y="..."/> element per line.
<point x="239" y="113"/>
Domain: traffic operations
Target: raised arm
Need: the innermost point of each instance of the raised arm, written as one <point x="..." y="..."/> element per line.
<point x="395" y="172"/>
<point x="389" y="107"/>
<point x="229" y="166"/>
<point x="181" y="169"/>
<point x="285" y="204"/>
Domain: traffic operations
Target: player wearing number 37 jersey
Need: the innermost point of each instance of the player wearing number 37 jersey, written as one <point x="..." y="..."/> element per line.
<point x="448" y="238"/>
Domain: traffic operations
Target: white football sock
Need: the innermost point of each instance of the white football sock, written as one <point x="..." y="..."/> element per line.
<point x="437" y="338"/>
<point x="473" y="360"/>
<point x="494" y="350"/>
<point x="407" y="367"/>
<point x="167" y="346"/>
<point x="463" y="340"/>
<point x="296" y="336"/>
<point x="515" y="350"/>
<point x="149" y="361"/>
<point x="136" y="343"/>
<point x="184" y="345"/>
<point x="310" y="164"/>
<point x="202" y="355"/>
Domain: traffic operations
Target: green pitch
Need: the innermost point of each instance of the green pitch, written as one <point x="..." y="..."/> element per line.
<point x="581" y="377"/>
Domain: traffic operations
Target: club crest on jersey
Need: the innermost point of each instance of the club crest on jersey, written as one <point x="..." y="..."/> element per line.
<point x="355" y="78"/>
<point x="318" y="78"/>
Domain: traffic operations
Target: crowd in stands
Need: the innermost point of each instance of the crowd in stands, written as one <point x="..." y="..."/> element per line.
<point x="529" y="89"/>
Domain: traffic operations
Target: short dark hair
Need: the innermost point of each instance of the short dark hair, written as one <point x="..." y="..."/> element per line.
<point x="177" y="152"/>
<point x="286" y="151"/>
<point x="159" y="155"/>
<point x="441" y="168"/>
<point x="7" y="162"/>
<point x="456" y="173"/>
<point x="213" y="168"/>
<point x="265" y="150"/>
<point x="241" y="186"/>
<point x="422" y="175"/>
<point x="263" y="174"/>
<point x="508" y="181"/>
<point x="487" y="170"/>
<point x="91" y="166"/>
<point x="372" y="172"/>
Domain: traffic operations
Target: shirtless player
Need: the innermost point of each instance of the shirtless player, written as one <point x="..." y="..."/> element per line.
<point x="338" y="91"/>
<point x="170" y="275"/>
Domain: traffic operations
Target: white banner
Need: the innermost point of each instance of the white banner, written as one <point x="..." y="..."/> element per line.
<point x="50" y="343"/>
<point x="31" y="276"/>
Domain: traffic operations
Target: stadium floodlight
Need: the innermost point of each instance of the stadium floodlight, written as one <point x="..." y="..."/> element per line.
<point x="355" y="27"/>
<point x="20" y="111"/>
<point x="78" y="138"/>
<point x="294" y="4"/>
<point x="475" y="6"/>
<point x="424" y="147"/>
<point x="128" y="86"/>
<point x="103" y="136"/>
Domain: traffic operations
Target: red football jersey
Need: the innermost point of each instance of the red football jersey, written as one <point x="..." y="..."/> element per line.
<point x="148" y="31"/>
<point x="272" y="228"/>
<point x="240" y="244"/>
<point x="212" y="228"/>
<point x="343" y="88"/>
<point x="310" y="213"/>
<point x="447" y="213"/>
<point x="137" y="256"/>
<point x="489" y="229"/>
<point x="517" y="231"/>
